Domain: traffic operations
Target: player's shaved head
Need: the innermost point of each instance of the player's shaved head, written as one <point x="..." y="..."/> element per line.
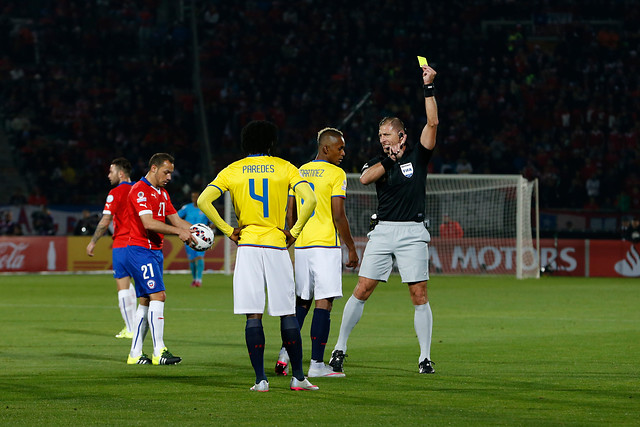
<point x="331" y="145"/>
<point x="328" y="135"/>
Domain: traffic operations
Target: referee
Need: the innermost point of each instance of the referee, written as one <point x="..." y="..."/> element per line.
<point x="400" y="176"/>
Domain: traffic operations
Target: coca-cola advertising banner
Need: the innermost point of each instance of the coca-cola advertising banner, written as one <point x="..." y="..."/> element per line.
<point x="602" y="258"/>
<point x="33" y="253"/>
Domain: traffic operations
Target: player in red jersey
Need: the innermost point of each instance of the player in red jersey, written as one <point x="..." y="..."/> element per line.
<point x="150" y="207"/>
<point x="116" y="209"/>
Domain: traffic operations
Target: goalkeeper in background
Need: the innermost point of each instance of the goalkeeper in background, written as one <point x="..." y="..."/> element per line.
<point x="193" y="215"/>
<point x="400" y="178"/>
<point x="259" y="186"/>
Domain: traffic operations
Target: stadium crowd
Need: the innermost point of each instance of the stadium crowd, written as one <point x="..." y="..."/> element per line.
<point x="546" y="89"/>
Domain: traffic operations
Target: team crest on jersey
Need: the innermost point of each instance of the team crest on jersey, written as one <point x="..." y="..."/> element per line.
<point x="407" y="170"/>
<point x="151" y="284"/>
<point x="141" y="197"/>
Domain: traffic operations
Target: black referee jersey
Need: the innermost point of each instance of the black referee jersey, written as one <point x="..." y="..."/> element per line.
<point x="401" y="190"/>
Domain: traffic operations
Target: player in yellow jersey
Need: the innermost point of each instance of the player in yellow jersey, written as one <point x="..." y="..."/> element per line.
<point x="259" y="186"/>
<point x="318" y="254"/>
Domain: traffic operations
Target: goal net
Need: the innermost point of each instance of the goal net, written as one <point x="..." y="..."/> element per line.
<point x="494" y="213"/>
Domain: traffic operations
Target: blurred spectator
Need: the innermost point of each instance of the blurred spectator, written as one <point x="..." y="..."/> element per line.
<point x="3" y="223"/>
<point x="43" y="222"/>
<point x="633" y="232"/>
<point x="463" y="166"/>
<point x="86" y="225"/>
<point x="623" y="201"/>
<point x="635" y="199"/>
<point x="115" y="80"/>
<point x="17" y="198"/>
<point x="36" y="198"/>
<point x="11" y="227"/>
<point x="625" y="223"/>
<point x="576" y="196"/>
<point x="593" y="186"/>
<point x="8" y="226"/>
<point x="450" y="229"/>
<point x="591" y="205"/>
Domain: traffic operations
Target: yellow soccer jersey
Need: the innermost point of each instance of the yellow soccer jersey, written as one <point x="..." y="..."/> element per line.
<point x="259" y="186"/>
<point x="328" y="181"/>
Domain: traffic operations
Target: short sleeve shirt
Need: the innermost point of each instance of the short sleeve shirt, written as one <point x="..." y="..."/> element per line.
<point x="116" y="205"/>
<point x="192" y="214"/>
<point x="145" y="199"/>
<point x="259" y="187"/>
<point x="401" y="190"/>
<point x="328" y="181"/>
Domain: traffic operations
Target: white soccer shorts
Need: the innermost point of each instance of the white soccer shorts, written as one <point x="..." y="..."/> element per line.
<point x="318" y="273"/>
<point x="257" y="268"/>
<point x="407" y="242"/>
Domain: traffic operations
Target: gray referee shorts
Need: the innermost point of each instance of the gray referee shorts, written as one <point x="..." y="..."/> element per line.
<point x="407" y="242"/>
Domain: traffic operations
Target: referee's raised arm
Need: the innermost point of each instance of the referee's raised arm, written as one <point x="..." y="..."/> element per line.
<point x="428" y="136"/>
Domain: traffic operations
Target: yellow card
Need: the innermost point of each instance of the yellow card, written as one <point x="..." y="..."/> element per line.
<point x="422" y="61"/>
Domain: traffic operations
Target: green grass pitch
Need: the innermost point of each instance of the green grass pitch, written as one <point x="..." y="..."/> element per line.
<point x="548" y="352"/>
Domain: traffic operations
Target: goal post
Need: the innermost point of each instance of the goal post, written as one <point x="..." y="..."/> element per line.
<point x="494" y="212"/>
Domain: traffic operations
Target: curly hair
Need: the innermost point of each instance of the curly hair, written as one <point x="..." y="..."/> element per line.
<point x="259" y="137"/>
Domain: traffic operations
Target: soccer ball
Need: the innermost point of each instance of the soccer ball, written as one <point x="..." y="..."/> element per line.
<point x="203" y="235"/>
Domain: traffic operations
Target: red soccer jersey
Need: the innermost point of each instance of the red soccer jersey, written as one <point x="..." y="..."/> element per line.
<point x="117" y="206"/>
<point x="145" y="199"/>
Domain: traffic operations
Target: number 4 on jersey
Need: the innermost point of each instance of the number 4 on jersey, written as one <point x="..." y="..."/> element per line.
<point x="264" y="198"/>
